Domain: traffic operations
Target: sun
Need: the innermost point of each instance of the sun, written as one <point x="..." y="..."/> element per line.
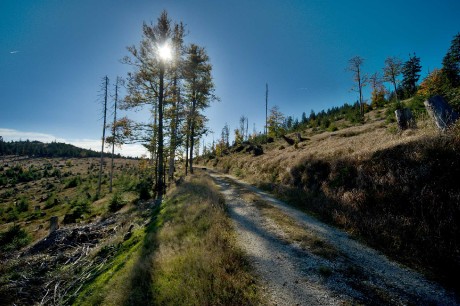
<point x="165" y="52"/>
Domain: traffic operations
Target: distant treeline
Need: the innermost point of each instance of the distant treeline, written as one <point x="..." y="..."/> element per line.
<point x="40" y="149"/>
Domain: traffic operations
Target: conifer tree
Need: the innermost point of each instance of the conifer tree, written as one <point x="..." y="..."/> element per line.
<point x="147" y="84"/>
<point x="411" y="74"/>
<point x="451" y="62"/>
<point x="199" y="91"/>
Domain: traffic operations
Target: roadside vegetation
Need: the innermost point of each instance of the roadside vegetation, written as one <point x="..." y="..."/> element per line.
<point x="399" y="195"/>
<point x="185" y="256"/>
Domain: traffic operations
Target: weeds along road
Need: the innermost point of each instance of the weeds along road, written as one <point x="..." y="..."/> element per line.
<point x="301" y="261"/>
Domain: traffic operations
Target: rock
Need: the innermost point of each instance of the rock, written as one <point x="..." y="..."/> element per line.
<point x="441" y="112"/>
<point x="404" y="118"/>
<point x="257" y="150"/>
<point x="54" y="224"/>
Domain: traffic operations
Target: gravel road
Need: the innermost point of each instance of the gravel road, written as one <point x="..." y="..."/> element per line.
<point x="292" y="275"/>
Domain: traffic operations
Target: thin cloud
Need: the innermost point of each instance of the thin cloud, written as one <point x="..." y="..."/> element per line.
<point x="93" y="144"/>
<point x="14" y="52"/>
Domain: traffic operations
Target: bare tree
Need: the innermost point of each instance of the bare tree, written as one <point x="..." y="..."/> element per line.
<point x="105" y="89"/>
<point x="355" y="65"/>
<point x="266" y="110"/>
<point x="114" y="131"/>
<point x="392" y="69"/>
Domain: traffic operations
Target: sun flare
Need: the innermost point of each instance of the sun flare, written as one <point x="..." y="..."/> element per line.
<point x="165" y="52"/>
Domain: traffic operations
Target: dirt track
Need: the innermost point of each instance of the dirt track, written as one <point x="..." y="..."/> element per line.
<point x="293" y="275"/>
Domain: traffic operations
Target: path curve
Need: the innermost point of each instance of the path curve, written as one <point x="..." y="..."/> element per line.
<point x="291" y="275"/>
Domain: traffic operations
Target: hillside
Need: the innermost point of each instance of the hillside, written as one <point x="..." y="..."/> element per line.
<point x="396" y="191"/>
<point x="40" y="149"/>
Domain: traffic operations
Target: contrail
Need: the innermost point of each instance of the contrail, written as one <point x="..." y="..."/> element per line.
<point x="14" y="52"/>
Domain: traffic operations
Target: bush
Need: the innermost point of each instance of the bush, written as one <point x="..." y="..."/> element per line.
<point x="14" y="238"/>
<point x="78" y="210"/>
<point x="73" y="182"/>
<point x="23" y="205"/>
<point x="143" y="188"/>
<point x="116" y="202"/>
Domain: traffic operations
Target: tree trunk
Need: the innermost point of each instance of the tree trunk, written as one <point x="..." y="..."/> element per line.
<point x="103" y="138"/>
<point x="174" y="124"/>
<point x="396" y="91"/>
<point x="404" y="118"/>
<point x="192" y="135"/>
<point x="160" y="183"/>
<point x="187" y="145"/>
<point x="113" y="134"/>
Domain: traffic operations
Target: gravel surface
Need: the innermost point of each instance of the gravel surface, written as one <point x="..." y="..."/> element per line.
<point x="291" y="275"/>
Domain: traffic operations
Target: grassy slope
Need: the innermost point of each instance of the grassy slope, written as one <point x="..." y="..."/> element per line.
<point x="60" y="185"/>
<point x="396" y="191"/>
<point x="185" y="256"/>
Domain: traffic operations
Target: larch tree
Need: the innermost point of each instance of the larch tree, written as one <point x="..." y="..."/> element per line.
<point x="360" y="78"/>
<point x="146" y="85"/>
<point x="391" y="71"/>
<point x="378" y="90"/>
<point x="175" y="109"/>
<point x="275" y="122"/>
<point x="199" y="89"/>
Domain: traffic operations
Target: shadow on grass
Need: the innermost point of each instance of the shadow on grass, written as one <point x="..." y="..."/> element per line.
<point x="139" y="291"/>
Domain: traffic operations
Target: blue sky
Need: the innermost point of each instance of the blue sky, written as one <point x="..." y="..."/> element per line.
<point x="300" y="48"/>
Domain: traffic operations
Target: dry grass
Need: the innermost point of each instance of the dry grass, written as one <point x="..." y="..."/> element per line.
<point x="186" y="256"/>
<point x="397" y="191"/>
<point x="197" y="262"/>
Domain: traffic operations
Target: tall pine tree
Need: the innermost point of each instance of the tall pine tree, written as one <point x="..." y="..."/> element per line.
<point x="451" y="62"/>
<point x="411" y="74"/>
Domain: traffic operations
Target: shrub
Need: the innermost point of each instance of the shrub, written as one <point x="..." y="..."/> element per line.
<point x="116" y="202"/>
<point x="14" y="238"/>
<point x="23" y="205"/>
<point x="73" y="182"/>
<point x="78" y="210"/>
<point x="143" y="188"/>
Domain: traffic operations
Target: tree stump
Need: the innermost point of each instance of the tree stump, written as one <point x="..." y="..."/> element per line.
<point x="299" y="137"/>
<point x="404" y="118"/>
<point x="441" y="112"/>
<point x="54" y="224"/>
<point x="288" y="140"/>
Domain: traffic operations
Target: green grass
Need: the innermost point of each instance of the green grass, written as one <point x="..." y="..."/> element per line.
<point x="185" y="256"/>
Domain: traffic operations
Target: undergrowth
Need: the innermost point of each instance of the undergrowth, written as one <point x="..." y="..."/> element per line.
<point x="185" y="256"/>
